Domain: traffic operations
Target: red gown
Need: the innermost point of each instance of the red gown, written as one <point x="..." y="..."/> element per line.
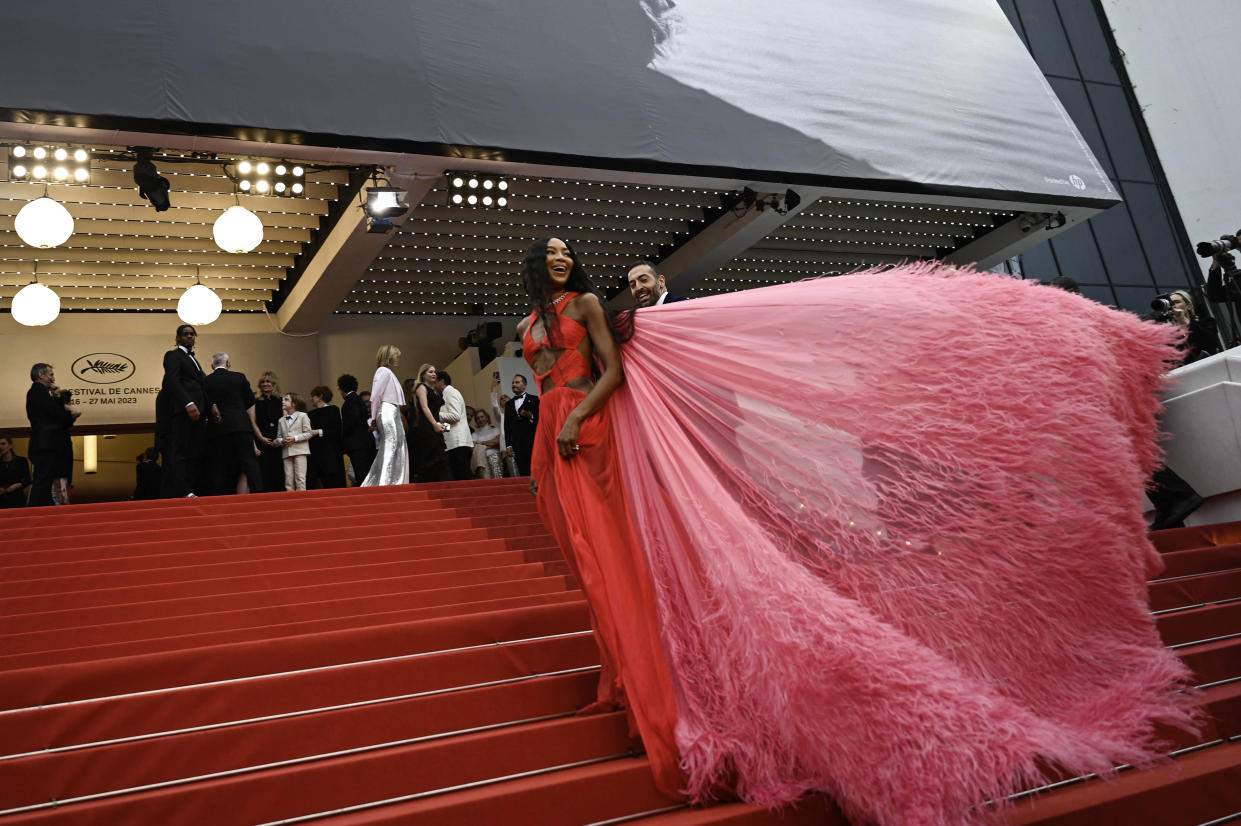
<point x="877" y="535"/>
<point x="582" y="502"/>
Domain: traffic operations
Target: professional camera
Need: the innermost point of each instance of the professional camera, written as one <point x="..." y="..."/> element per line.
<point x="1226" y="243"/>
<point x="1161" y="308"/>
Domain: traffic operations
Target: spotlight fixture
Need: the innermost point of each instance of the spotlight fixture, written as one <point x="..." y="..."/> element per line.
<point x="151" y="185"/>
<point x="470" y="189"/>
<point x="383" y="203"/>
<point x="740" y="202"/>
<point x="280" y="178"/>
<point x="58" y="164"/>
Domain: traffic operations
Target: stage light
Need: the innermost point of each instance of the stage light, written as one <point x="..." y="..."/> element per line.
<point x="463" y="189"/>
<point x="238" y="230"/>
<point x="151" y="185"/>
<point x="73" y="164"/>
<point x="35" y="305"/>
<point x="199" y="305"/>
<point x="275" y="178"/>
<point x="44" y="223"/>
<point x="383" y="203"/>
<point x="791" y="200"/>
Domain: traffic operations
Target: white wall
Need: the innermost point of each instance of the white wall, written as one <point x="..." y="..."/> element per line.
<point x="1182" y="60"/>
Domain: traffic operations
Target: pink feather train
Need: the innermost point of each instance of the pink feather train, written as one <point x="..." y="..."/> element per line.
<point x="893" y="525"/>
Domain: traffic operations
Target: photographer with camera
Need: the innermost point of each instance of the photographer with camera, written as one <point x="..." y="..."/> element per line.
<point x="1201" y="334"/>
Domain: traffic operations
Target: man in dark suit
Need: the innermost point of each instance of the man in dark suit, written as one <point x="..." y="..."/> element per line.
<point x="185" y="394"/>
<point x="521" y="417"/>
<point x="356" y="438"/>
<point x="233" y="458"/>
<point x="49" y="429"/>
<point x="14" y="476"/>
<point x="647" y="286"/>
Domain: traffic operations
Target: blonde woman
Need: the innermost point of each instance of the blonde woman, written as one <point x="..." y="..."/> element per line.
<point x="391" y="466"/>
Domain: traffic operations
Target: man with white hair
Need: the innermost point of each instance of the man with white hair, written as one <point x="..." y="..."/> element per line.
<point x="234" y="465"/>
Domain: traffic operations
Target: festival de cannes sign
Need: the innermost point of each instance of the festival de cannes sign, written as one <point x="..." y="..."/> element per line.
<point x="103" y="368"/>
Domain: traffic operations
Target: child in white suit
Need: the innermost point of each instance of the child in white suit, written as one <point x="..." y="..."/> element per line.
<point x="294" y="433"/>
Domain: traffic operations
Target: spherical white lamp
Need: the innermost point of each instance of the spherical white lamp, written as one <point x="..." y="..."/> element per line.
<point x="35" y="305"/>
<point x="44" y="223"/>
<point x="238" y="230"/>
<point x="199" y="305"/>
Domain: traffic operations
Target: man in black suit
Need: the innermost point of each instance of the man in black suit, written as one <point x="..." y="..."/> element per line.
<point x="234" y="462"/>
<point x="49" y="429"/>
<point x="521" y="417"/>
<point x="647" y="286"/>
<point x="185" y="395"/>
<point x="14" y="476"/>
<point x="356" y="438"/>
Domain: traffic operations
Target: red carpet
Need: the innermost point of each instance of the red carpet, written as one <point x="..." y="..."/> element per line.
<point x="244" y="660"/>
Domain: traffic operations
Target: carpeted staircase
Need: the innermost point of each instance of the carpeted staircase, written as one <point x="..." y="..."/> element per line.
<point x="412" y="654"/>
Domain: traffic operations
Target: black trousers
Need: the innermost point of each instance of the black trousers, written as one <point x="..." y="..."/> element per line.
<point x="232" y="454"/>
<point x="523" y="454"/>
<point x="459" y="462"/>
<point x="44" y="462"/>
<point x="187" y="446"/>
<point x="360" y="461"/>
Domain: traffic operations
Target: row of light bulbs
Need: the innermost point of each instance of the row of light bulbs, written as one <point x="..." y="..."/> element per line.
<point x="42" y="163"/>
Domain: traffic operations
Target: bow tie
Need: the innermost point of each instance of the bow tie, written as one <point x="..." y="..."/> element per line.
<point x="519" y="396"/>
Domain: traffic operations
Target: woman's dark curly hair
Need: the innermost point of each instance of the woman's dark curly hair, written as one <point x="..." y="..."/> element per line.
<point x="535" y="277"/>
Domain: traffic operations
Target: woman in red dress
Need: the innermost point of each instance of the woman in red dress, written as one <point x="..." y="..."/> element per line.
<point x="901" y="563"/>
<point x="574" y="473"/>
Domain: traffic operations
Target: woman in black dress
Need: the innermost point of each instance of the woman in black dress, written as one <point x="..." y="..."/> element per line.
<point x="267" y="413"/>
<point x="428" y="462"/>
<point x="326" y="468"/>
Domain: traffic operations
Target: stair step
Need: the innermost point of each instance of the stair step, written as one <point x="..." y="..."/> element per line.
<point x="331" y="782"/>
<point x="1193" y="625"/>
<point x="93" y="720"/>
<point x="1195" y="788"/>
<point x="100" y="606"/>
<point x="74" y="680"/>
<point x="79" y="773"/>
<point x="293" y="569"/>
